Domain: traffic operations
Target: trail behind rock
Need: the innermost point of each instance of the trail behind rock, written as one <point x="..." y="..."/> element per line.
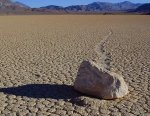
<point x="104" y="59"/>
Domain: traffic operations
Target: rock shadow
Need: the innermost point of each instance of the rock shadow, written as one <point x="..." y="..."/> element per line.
<point x="53" y="91"/>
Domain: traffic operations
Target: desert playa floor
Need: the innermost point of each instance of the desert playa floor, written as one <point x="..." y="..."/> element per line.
<point x="40" y="57"/>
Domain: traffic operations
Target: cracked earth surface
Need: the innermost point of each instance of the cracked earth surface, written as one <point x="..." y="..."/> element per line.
<point x="40" y="57"/>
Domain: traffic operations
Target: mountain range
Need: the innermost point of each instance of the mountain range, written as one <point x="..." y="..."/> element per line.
<point x="11" y="7"/>
<point x="96" y="7"/>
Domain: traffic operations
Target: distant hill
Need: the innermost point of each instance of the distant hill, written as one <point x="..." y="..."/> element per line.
<point x="96" y="7"/>
<point x="8" y="4"/>
<point x="8" y="7"/>
<point x="53" y="7"/>
<point x="144" y="8"/>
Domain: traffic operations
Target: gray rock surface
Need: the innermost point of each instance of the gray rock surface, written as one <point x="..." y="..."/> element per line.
<point x="96" y="81"/>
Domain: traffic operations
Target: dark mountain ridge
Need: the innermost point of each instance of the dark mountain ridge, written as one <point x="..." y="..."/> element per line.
<point x="144" y="8"/>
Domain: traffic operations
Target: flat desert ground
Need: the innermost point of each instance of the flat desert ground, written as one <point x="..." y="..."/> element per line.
<point x="40" y="57"/>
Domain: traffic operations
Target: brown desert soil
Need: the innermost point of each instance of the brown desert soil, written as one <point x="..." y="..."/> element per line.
<point x="40" y="57"/>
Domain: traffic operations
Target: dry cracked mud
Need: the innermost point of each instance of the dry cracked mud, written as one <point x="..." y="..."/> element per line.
<point x="40" y="57"/>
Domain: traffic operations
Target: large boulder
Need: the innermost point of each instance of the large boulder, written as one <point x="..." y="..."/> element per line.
<point x="96" y="81"/>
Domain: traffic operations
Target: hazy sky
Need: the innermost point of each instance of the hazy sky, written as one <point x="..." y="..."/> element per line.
<point x="38" y="3"/>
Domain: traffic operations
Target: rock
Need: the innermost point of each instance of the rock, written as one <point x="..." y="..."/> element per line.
<point x="98" y="82"/>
